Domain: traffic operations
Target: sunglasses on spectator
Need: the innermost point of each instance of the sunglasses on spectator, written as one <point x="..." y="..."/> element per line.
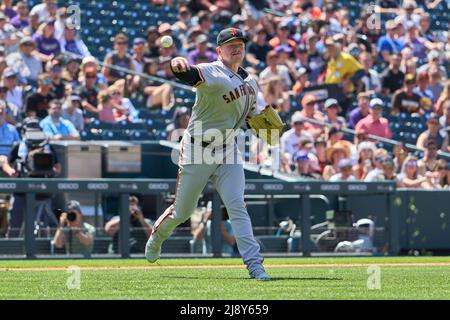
<point x="92" y="76"/>
<point x="115" y="93"/>
<point x="121" y="43"/>
<point x="311" y="103"/>
<point x="46" y="81"/>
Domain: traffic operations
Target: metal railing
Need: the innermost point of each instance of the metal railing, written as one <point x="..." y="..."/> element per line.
<point x="125" y="187"/>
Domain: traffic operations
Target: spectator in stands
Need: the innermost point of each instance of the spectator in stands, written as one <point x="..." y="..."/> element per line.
<point x="183" y="24"/>
<point x="156" y="93"/>
<point x="202" y="233"/>
<point x="388" y="44"/>
<point x="275" y="69"/>
<point x="57" y="128"/>
<point x="405" y="100"/>
<point x="306" y="164"/>
<point x="371" y="80"/>
<point x="342" y="68"/>
<point x="118" y="57"/>
<point x="60" y="22"/>
<point x="436" y="86"/>
<point x="361" y="111"/>
<point x="12" y="112"/>
<point x="24" y="63"/>
<point x="285" y="59"/>
<point x="374" y="123"/>
<point x="37" y="103"/>
<point x="335" y="135"/>
<point x="8" y="133"/>
<point x="88" y="91"/>
<point x="165" y="29"/>
<point x="345" y="171"/>
<point x="55" y="69"/>
<point x="71" y="71"/>
<point x="387" y="172"/>
<point x="332" y="109"/>
<point x="429" y="161"/>
<point x="106" y="107"/>
<point x="201" y="50"/>
<point x="275" y="95"/>
<point x="74" y="234"/>
<point x="138" y="54"/>
<point x="46" y="44"/>
<point x="409" y="176"/>
<point x="392" y="77"/>
<point x="309" y="103"/>
<point x="123" y="106"/>
<point x="366" y="152"/>
<point x="283" y="37"/>
<point x="443" y="98"/>
<point x="320" y="148"/>
<point x="140" y="228"/>
<point x="47" y="9"/>
<point x="444" y="121"/>
<point x="180" y="122"/>
<point x="152" y="36"/>
<point x="433" y="132"/>
<point x="8" y="9"/>
<point x="290" y="140"/>
<point x="90" y="63"/>
<point x="302" y="81"/>
<point x="258" y="49"/>
<point x="434" y="59"/>
<point x="334" y="155"/>
<point x="443" y="175"/>
<point x="427" y="98"/>
<point x="8" y="36"/>
<point x="71" y="110"/>
<point x="14" y="94"/>
<point x="71" y="43"/>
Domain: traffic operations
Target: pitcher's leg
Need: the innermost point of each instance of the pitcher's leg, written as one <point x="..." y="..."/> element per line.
<point x="190" y="183"/>
<point x="229" y="180"/>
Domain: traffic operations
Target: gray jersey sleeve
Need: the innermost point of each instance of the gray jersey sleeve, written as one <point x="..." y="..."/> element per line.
<point x="209" y="74"/>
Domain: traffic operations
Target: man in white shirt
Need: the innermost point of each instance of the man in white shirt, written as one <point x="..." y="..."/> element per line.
<point x="45" y="10"/>
<point x="14" y="94"/>
<point x="290" y="140"/>
<point x="275" y="69"/>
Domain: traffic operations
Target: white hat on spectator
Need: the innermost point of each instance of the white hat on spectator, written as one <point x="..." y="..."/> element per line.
<point x="376" y="102"/>
<point x="366" y="145"/>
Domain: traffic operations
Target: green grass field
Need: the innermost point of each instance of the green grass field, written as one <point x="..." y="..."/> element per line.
<point x="293" y="278"/>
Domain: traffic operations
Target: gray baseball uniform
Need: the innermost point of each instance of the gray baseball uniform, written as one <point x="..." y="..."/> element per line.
<point x="224" y="100"/>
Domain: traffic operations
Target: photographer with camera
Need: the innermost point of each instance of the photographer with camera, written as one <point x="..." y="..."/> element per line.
<point x="32" y="157"/>
<point x="72" y="233"/>
<point x="140" y="228"/>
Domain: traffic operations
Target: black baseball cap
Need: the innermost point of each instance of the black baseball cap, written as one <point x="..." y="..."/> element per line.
<point x="229" y="34"/>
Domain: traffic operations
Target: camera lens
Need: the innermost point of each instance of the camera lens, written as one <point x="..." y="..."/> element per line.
<point x="71" y="216"/>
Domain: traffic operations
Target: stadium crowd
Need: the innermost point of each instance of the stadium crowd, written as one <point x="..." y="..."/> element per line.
<point x="374" y="72"/>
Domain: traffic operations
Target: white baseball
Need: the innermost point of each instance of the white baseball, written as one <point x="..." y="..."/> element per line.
<point x="166" y="41"/>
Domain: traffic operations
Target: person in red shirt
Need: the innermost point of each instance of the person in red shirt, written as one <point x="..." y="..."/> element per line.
<point x="374" y="123"/>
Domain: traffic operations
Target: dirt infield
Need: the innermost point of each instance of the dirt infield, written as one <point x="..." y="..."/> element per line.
<point x="268" y="266"/>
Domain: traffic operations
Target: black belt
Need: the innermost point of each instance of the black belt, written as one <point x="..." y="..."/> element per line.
<point x="206" y="144"/>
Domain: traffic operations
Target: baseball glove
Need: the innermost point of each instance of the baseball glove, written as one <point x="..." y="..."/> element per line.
<point x="267" y="125"/>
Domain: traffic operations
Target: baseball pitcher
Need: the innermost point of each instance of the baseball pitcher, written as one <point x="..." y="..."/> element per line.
<point x="225" y="100"/>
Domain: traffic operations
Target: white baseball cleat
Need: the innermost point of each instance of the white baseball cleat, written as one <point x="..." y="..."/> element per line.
<point x="260" y="274"/>
<point x="152" y="250"/>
